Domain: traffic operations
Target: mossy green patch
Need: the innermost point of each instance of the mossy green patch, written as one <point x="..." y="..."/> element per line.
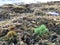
<point x="41" y="30"/>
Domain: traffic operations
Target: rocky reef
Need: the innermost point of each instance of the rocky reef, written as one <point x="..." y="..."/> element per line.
<point x="17" y="24"/>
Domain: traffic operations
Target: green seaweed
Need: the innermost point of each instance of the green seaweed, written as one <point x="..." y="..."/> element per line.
<point x="41" y="30"/>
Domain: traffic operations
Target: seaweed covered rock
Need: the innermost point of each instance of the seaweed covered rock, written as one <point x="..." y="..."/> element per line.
<point x="11" y="37"/>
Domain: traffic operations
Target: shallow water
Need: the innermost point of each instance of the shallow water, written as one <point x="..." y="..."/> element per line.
<point x="53" y="13"/>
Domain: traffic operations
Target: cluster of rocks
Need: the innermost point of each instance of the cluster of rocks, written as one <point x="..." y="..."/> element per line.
<point x="24" y="25"/>
<point x="30" y="38"/>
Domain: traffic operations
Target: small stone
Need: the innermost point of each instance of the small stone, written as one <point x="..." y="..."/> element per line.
<point x="21" y="43"/>
<point x="53" y="38"/>
<point x="40" y="43"/>
<point x="45" y="44"/>
<point x="53" y="44"/>
<point x="33" y="22"/>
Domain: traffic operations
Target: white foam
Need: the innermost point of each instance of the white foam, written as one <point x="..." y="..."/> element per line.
<point x="25" y="1"/>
